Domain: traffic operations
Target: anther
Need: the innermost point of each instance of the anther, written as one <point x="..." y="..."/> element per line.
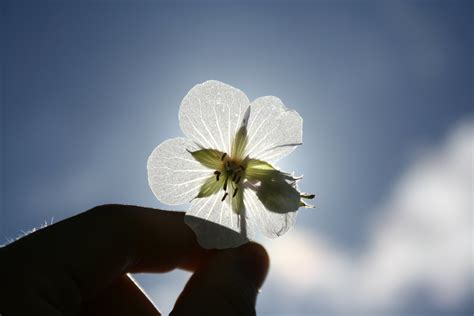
<point x="217" y="173"/>
<point x="223" y="198"/>
<point x="235" y="192"/>
<point x="223" y="156"/>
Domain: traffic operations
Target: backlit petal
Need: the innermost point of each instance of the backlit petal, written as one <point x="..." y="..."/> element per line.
<point x="273" y="130"/>
<point x="211" y="113"/>
<point x="271" y="224"/>
<point x="175" y="177"/>
<point x="216" y="225"/>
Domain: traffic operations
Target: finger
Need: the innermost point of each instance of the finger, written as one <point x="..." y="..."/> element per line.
<point x="36" y="304"/>
<point x="123" y="297"/>
<point x="90" y="250"/>
<point x="227" y="284"/>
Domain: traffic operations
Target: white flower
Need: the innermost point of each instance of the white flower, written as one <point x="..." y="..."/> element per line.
<point x="224" y="166"/>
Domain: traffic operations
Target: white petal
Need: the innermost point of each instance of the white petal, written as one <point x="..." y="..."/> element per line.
<point x="216" y="225"/>
<point x="274" y="131"/>
<point x="211" y="112"/>
<point x="271" y="224"/>
<point x="173" y="174"/>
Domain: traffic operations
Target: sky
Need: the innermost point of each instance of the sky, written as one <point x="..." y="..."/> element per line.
<point x="89" y="89"/>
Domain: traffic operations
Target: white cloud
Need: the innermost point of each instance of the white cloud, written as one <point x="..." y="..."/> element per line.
<point x="423" y="238"/>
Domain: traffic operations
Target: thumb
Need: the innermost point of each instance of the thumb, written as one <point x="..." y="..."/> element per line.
<point x="227" y="284"/>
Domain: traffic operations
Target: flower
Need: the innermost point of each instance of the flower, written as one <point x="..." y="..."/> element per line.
<point x="224" y="166"/>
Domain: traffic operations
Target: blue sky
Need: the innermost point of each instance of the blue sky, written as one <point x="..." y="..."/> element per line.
<point x="90" y="88"/>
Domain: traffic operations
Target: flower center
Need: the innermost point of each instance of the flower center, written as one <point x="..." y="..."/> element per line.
<point x="233" y="171"/>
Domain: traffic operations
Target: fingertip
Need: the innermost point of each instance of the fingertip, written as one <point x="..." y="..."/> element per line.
<point x="226" y="284"/>
<point x="255" y="262"/>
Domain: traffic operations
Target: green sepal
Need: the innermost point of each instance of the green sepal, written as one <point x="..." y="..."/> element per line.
<point x="237" y="199"/>
<point x="278" y="195"/>
<point x="256" y="169"/>
<point x="260" y="170"/>
<point x="210" y="158"/>
<point x="239" y="143"/>
<point x="305" y="205"/>
<point x="277" y="189"/>
<point x="211" y="186"/>
<point x="307" y="196"/>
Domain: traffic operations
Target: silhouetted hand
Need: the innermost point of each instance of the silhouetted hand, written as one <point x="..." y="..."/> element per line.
<point x="80" y="266"/>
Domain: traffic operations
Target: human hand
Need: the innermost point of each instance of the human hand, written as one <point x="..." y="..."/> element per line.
<point x="80" y="266"/>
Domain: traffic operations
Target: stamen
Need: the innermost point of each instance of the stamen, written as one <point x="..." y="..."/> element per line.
<point x="238" y="179"/>
<point x="223" y="156"/>
<point x="235" y="176"/>
<point x="235" y="192"/>
<point x="225" y="184"/>
<point x="223" y="198"/>
<point x="217" y="173"/>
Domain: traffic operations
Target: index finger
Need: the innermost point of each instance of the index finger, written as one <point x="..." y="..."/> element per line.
<point x="97" y="246"/>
